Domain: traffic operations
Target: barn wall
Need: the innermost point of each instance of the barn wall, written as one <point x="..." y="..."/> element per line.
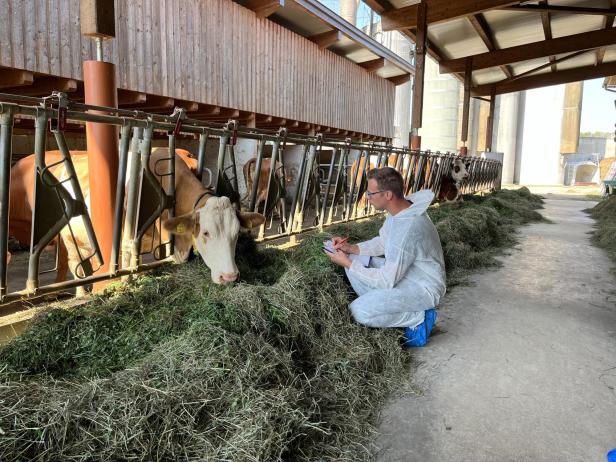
<point x="208" y="51"/>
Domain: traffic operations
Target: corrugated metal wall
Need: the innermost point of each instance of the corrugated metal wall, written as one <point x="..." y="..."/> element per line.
<point x="208" y="51"/>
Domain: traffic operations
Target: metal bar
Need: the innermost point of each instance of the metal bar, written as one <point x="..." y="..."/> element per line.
<point x="132" y="197"/>
<point x="201" y="154"/>
<point x="257" y="175"/>
<point x="171" y="189"/>
<point x="327" y="187"/>
<point x="118" y="210"/>
<point x="6" y="139"/>
<point x="299" y="187"/>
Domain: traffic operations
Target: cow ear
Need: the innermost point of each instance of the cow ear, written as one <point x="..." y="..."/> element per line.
<point x="249" y="220"/>
<point x="183" y="224"/>
<point x="468" y="165"/>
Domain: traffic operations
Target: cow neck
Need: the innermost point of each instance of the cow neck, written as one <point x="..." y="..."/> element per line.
<point x="202" y="198"/>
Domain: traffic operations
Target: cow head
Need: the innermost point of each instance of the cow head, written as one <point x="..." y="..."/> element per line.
<point x="213" y="229"/>
<point x="459" y="170"/>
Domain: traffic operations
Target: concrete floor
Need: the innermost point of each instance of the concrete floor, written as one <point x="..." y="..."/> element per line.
<point x="522" y="365"/>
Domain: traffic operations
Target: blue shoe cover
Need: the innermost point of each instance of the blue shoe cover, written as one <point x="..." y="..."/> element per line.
<point x="418" y="336"/>
<point x="611" y="456"/>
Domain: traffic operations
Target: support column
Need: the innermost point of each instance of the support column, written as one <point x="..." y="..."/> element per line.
<point x="418" y="81"/>
<point x="468" y="75"/>
<point x="102" y="140"/>
<point x="490" y="127"/>
<point x="98" y="22"/>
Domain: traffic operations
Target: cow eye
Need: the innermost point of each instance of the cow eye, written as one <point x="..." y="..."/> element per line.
<point x="457" y="169"/>
<point x="206" y="234"/>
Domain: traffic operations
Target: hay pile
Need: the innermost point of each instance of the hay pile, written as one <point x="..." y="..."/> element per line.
<point x="173" y="367"/>
<point x="604" y="234"/>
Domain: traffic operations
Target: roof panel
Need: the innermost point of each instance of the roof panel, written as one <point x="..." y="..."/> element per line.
<point x="569" y="24"/>
<point x="456" y="38"/>
<point x="491" y="75"/>
<point x="403" y="3"/>
<point x="585" y="59"/>
<point x="513" y="28"/>
<point x="523" y="66"/>
<point x="610" y="55"/>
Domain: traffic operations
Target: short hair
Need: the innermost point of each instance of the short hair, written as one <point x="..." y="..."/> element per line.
<point x="388" y="179"/>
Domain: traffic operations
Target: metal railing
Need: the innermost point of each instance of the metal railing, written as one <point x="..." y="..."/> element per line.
<point x="329" y="186"/>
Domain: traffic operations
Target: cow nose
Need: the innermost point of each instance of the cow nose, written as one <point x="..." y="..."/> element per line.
<point x="228" y="277"/>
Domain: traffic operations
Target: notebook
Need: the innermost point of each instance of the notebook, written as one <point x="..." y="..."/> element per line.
<point x="363" y="260"/>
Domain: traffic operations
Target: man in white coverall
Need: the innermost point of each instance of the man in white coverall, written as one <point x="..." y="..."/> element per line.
<point x="396" y="291"/>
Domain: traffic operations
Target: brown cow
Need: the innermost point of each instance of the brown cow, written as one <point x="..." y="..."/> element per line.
<point x="211" y="222"/>
<point x="452" y="182"/>
<point x="249" y="175"/>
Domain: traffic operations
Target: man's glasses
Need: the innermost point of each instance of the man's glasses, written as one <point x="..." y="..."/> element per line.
<point x="370" y="194"/>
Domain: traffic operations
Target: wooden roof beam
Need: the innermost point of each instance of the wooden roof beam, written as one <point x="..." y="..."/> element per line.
<point x="563" y="9"/>
<point x="45" y="86"/>
<point x="264" y="8"/>
<point x="155" y="103"/>
<point x="547" y="30"/>
<point x="482" y="28"/>
<point x="15" y="78"/>
<point x="541" y="49"/>
<point x="438" y="11"/>
<point x="607" y="24"/>
<point x="551" y="64"/>
<point x="373" y="65"/>
<point x="129" y="97"/>
<point x="546" y="80"/>
<point x="380" y="6"/>
<point x="400" y="79"/>
<point x="326" y="39"/>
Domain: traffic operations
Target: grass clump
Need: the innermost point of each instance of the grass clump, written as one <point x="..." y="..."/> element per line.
<point x="173" y="367"/>
<point x="604" y="234"/>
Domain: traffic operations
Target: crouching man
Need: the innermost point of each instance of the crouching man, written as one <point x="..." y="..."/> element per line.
<point x="405" y="279"/>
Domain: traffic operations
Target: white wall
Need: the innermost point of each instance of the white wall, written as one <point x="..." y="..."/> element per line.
<point x="539" y="136"/>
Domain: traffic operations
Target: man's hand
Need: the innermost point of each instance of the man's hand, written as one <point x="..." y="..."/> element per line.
<point x="341" y="244"/>
<point x="339" y="258"/>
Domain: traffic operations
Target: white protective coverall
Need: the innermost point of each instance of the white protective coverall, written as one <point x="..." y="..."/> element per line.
<point x="396" y="290"/>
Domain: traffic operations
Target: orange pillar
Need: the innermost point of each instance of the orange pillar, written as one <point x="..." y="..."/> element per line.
<point x="415" y="143"/>
<point x="100" y="89"/>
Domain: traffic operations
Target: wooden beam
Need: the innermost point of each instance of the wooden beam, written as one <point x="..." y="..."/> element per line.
<point x="129" y="97"/>
<point x="547" y="30"/>
<point x="156" y="103"/>
<point x="468" y="83"/>
<point x="326" y="39"/>
<point x="189" y="106"/>
<point x="380" y="6"/>
<point x="490" y="127"/>
<point x="608" y="22"/>
<point x="205" y="109"/>
<point x="543" y="66"/>
<point x="264" y="8"/>
<point x="485" y="33"/>
<point x="45" y="86"/>
<point x="420" y="67"/>
<point x="545" y="80"/>
<point x="438" y="11"/>
<point x="563" y="9"/>
<point x="15" y="78"/>
<point x="373" y="65"/>
<point x="541" y="49"/>
<point x="399" y="79"/>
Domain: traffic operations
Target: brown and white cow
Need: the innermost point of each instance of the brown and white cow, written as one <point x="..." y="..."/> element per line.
<point x="211" y="222"/>
<point x="452" y="182"/>
<point x="249" y="176"/>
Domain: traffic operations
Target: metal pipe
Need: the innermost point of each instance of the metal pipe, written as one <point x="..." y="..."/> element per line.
<point x="6" y="139"/>
<point x="119" y="205"/>
<point x="171" y="189"/>
<point x="132" y="196"/>
<point x="257" y="175"/>
<point x="99" y="48"/>
<point x="328" y="184"/>
<point x="201" y="154"/>
<point x="299" y="186"/>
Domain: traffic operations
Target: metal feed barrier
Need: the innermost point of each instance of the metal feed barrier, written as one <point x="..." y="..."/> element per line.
<point x="329" y="186"/>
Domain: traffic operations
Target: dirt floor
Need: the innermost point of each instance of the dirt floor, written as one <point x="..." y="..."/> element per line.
<point x="522" y="364"/>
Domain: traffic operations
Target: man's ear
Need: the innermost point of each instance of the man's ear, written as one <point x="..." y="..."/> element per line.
<point x="188" y="223"/>
<point x="250" y="220"/>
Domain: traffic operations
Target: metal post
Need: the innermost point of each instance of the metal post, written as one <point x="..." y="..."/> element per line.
<point x="119" y="205"/>
<point x="255" y="185"/>
<point x="468" y="75"/>
<point x="201" y="155"/>
<point x="6" y="138"/>
<point x="132" y="196"/>
<point x="102" y="139"/>
<point x="299" y="186"/>
<point x="327" y="186"/>
<point x="420" y="68"/>
<point x="171" y="189"/>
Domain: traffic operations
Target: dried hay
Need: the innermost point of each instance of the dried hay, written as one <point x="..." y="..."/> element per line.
<point x="172" y="367"/>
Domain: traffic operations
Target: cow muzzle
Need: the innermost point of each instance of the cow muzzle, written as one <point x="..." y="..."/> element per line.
<point x="226" y="278"/>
